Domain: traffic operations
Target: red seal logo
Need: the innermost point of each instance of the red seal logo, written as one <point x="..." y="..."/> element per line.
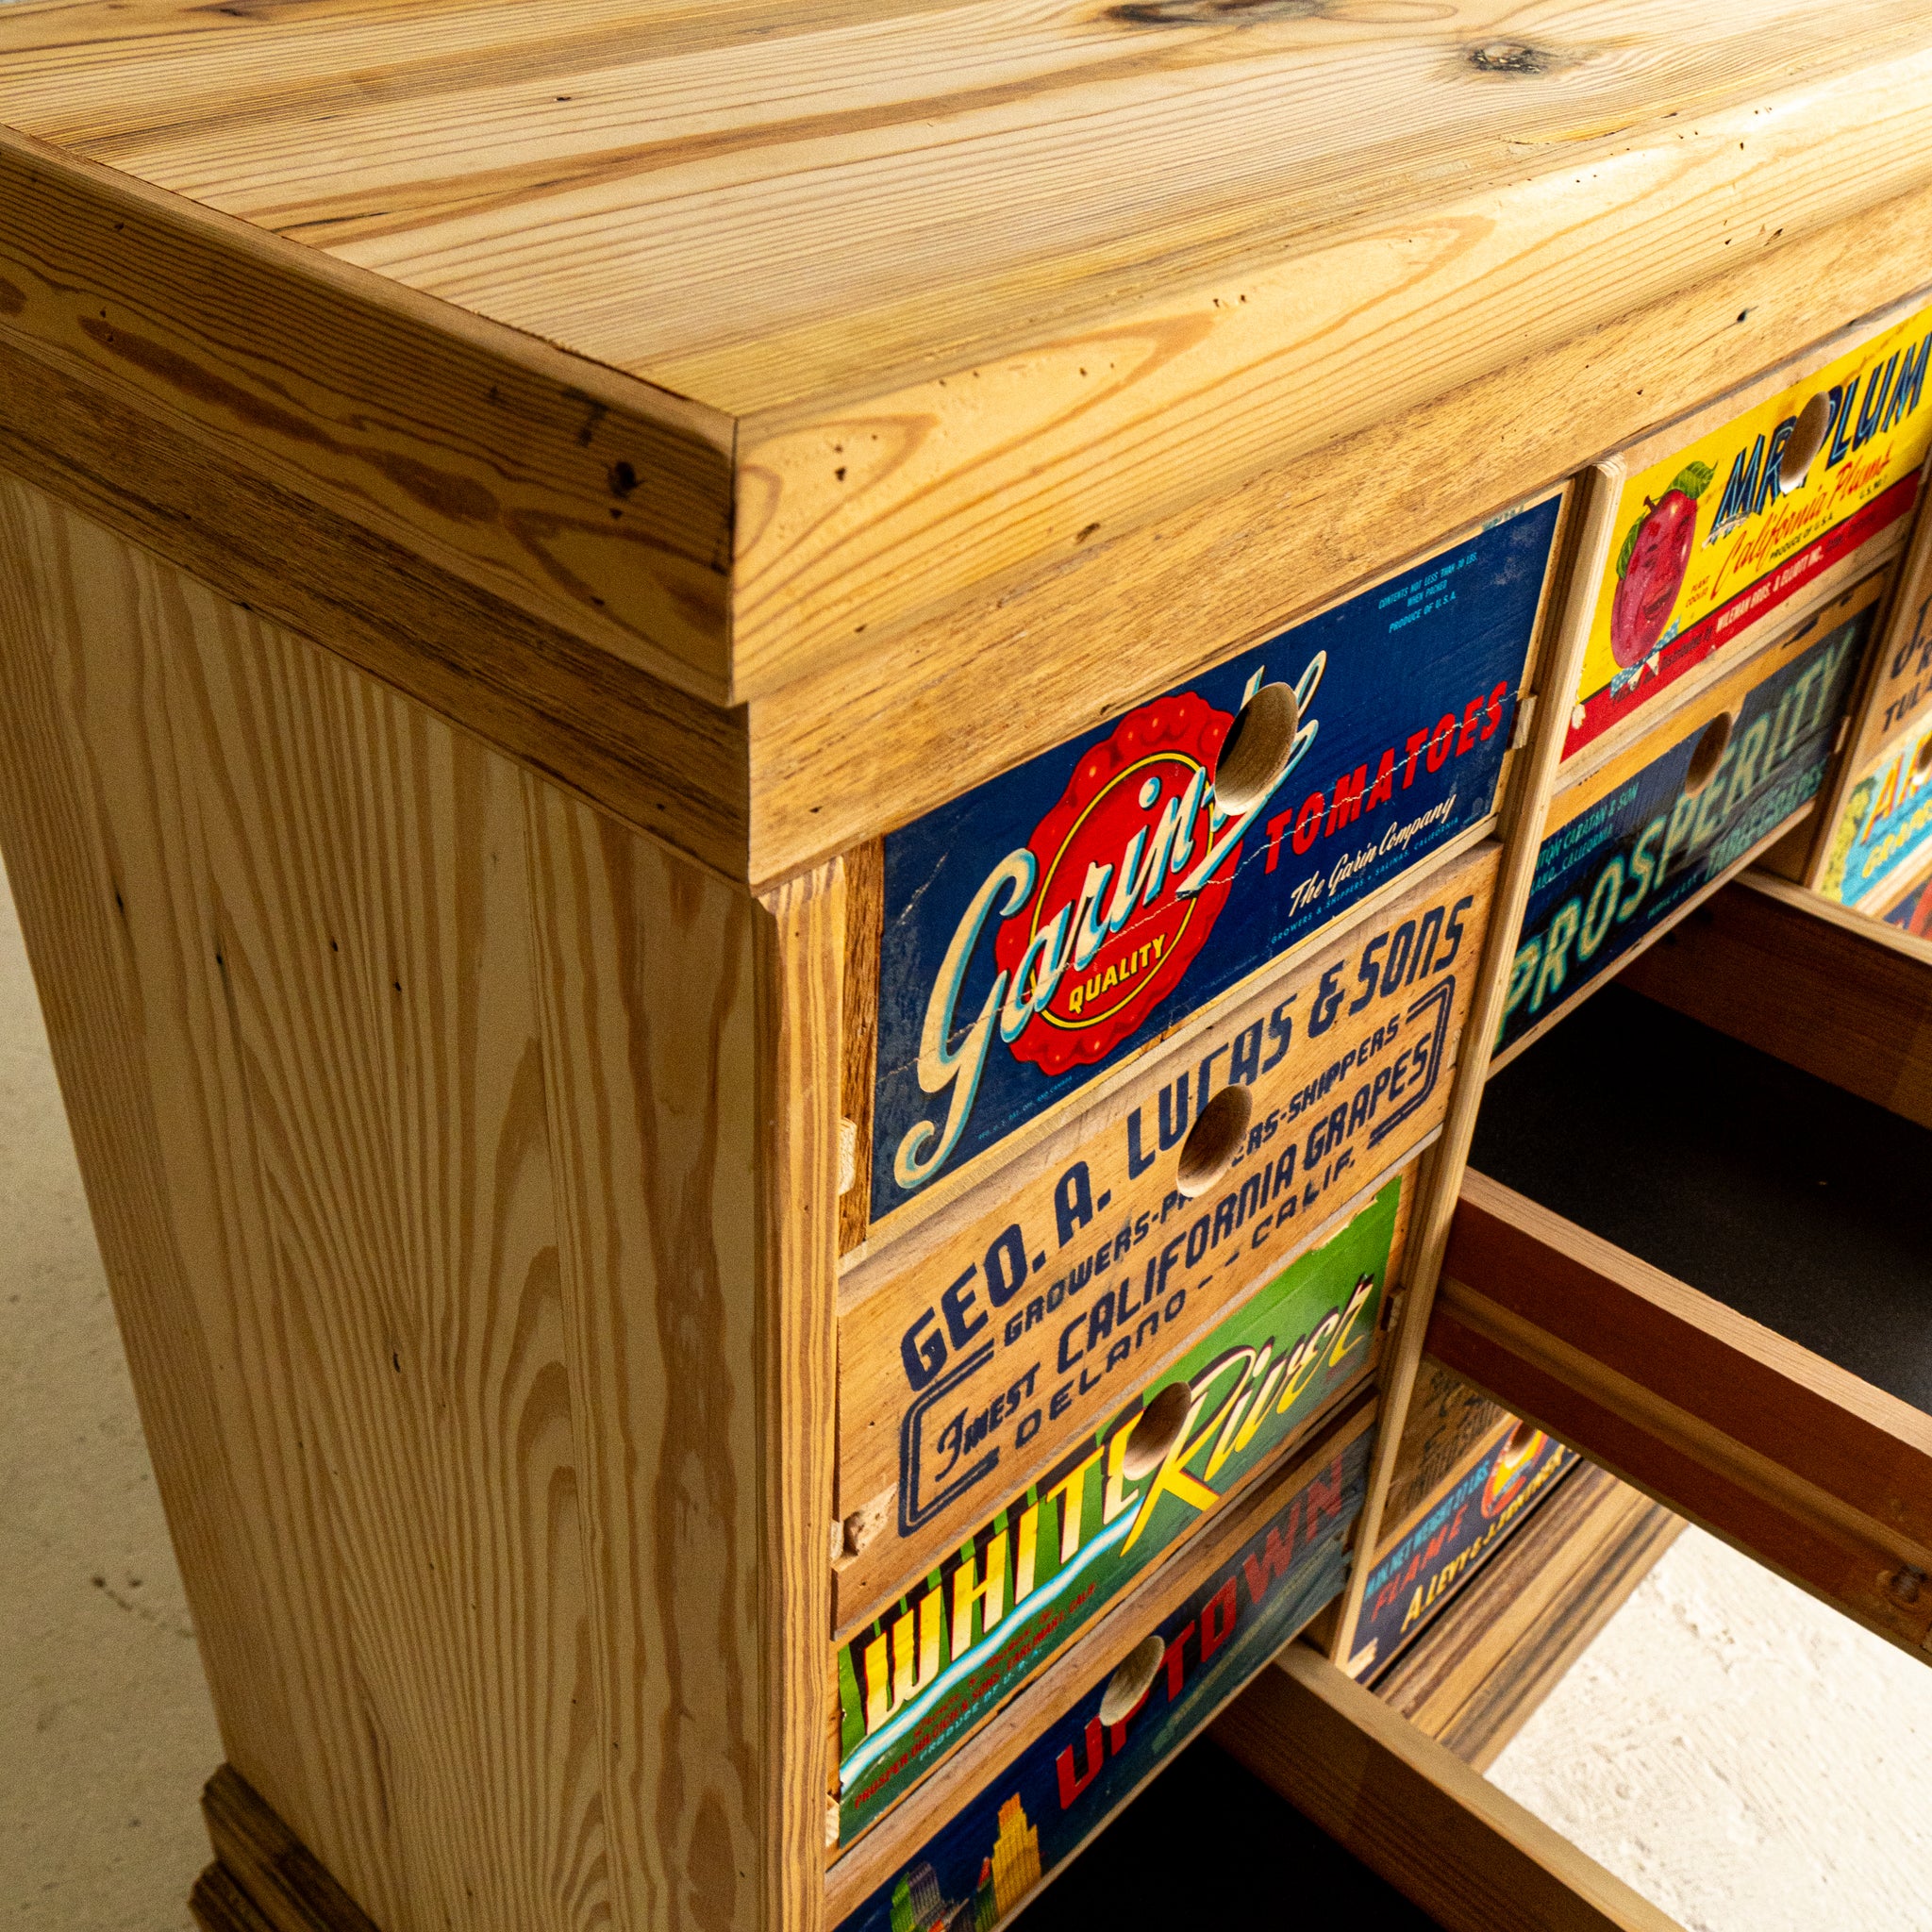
<point x="1135" y="821"/>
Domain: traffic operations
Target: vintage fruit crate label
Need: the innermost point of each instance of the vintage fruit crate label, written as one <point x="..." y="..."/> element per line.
<point x="1911" y="911"/>
<point x="985" y="1345"/>
<point x="1884" y="829"/>
<point x="1625" y="848"/>
<point x="989" y="1855"/>
<point x="1449" y="1544"/>
<point x="1902" y="677"/>
<point x="920" y="1678"/>
<point x="1719" y="534"/>
<point x="1054" y="921"/>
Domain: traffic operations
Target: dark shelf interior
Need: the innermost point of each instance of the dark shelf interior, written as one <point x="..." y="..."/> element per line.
<point x="1789" y="1200"/>
<point x="1208" y="1844"/>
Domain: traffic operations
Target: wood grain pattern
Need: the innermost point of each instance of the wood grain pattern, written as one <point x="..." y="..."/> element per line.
<point x="800" y="940"/>
<point x="1782" y="1453"/>
<point x="580" y="497"/>
<point x="1477" y="1673"/>
<point x="1848" y="999"/>
<point x="859" y="1035"/>
<point x="1411" y="1810"/>
<point x="469" y="1200"/>
<point x="1584" y="540"/>
<point x="1206" y="246"/>
<point x="632" y="744"/>
<point x="761" y="792"/>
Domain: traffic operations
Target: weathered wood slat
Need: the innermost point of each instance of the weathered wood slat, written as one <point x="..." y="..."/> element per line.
<point x="1207" y="247"/>
<point x="1782" y="1453"/>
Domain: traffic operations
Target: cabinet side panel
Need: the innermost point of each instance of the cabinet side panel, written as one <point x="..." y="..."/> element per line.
<point x="686" y="1026"/>
<point x="332" y="1067"/>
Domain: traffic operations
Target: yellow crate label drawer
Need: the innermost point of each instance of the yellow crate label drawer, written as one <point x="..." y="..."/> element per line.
<point x="1719" y="531"/>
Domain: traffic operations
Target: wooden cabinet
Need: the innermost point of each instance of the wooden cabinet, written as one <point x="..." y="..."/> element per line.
<point x="684" y="693"/>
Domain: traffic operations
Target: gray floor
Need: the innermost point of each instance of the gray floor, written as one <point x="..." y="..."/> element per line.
<point x="1749" y="1760"/>
<point x="105" y="1732"/>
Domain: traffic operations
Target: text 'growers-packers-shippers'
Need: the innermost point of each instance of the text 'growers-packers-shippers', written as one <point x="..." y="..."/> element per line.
<point x="917" y="1679"/>
<point x="975" y="1350"/>
<point x="1057" y="920"/>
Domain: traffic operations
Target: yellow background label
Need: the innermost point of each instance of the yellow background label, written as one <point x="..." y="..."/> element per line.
<point x="1746" y="524"/>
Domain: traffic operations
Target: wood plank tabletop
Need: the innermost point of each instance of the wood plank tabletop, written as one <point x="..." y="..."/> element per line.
<point x="908" y="295"/>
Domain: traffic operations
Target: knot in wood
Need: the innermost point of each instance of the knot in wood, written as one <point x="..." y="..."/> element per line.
<point x="1512" y="56"/>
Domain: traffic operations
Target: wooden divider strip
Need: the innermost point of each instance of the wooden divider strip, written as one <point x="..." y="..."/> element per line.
<point x="1584" y="543"/>
<point x="1783" y="1453"/>
<point x="1411" y="1810"/>
<point x="1830" y="992"/>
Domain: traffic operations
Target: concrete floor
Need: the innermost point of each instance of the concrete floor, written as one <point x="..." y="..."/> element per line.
<point x="1748" y="1760"/>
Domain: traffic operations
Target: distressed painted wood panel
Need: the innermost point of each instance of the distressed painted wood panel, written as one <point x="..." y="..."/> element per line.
<point x="1731" y="523"/>
<point x="1036" y="1307"/>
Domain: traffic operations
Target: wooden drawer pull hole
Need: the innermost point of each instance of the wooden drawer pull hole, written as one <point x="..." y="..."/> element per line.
<point x="1256" y="749"/>
<point x="1806" y="440"/>
<point x="1214" y="1139"/>
<point x="1131" y="1681"/>
<point x="1157" y="1431"/>
<point x="1709" y="754"/>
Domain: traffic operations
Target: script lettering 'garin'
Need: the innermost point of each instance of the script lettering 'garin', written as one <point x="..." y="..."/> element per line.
<point x="1101" y="910"/>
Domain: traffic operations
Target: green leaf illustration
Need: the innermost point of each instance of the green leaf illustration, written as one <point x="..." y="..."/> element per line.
<point x="1693" y="479"/>
<point x="1630" y="545"/>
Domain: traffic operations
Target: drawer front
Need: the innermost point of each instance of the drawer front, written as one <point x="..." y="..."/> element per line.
<point x="1626" y="849"/>
<point x="1726" y="529"/>
<point x="976" y="1354"/>
<point x="917" y="1680"/>
<point x="1455" y="1534"/>
<point x="1052" y="923"/>
<point x="1900" y="693"/>
<point x="1057" y="1788"/>
<point x="1883" y="836"/>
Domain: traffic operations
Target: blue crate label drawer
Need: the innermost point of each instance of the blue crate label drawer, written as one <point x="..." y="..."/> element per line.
<point x="1053" y="921"/>
<point x="1624" y="850"/>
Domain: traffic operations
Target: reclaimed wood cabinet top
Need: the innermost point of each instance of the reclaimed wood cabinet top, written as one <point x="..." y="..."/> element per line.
<point x="741" y="338"/>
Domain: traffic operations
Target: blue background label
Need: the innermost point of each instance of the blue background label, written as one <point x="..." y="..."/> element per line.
<point x="1400" y="657"/>
<point x="1630" y="861"/>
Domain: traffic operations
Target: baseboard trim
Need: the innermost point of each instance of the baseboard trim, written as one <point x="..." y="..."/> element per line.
<point x="265" y="1878"/>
